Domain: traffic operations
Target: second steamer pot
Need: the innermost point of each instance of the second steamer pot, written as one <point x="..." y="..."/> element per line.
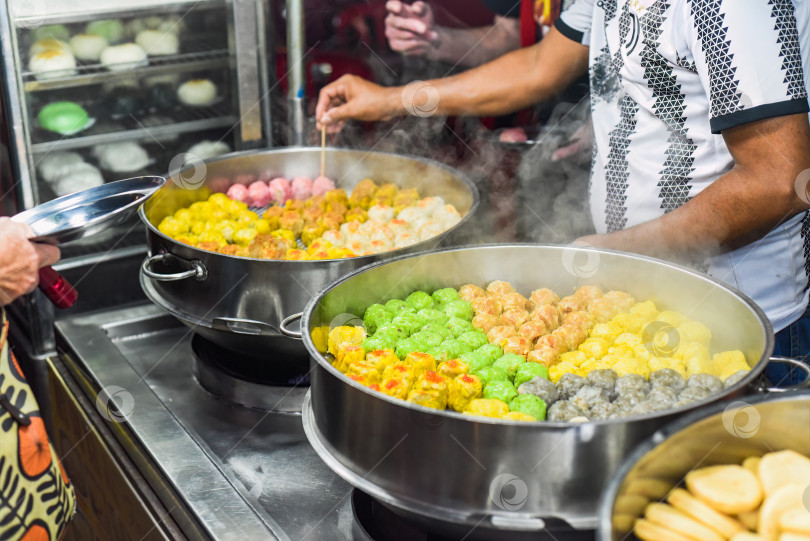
<point x="250" y="305"/>
<point x="472" y="474"/>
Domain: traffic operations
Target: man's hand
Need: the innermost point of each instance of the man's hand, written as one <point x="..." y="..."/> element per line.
<point x="20" y="260"/>
<point x="411" y="29"/>
<point x="352" y="97"/>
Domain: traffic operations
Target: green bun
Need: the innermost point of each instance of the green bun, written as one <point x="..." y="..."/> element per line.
<point x="389" y="329"/>
<point x="444" y="295"/>
<point x="528" y="371"/>
<point x="476" y="360"/>
<point x="419" y="300"/>
<point x="430" y="338"/>
<point x="408" y="321"/>
<point x="111" y="29"/>
<point x="64" y="118"/>
<point x="459" y="326"/>
<point x="500" y="390"/>
<point x="528" y="404"/>
<point x="372" y="344"/>
<point x="443" y="331"/>
<point x="473" y="339"/>
<point x="460" y="309"/>
<point x="376" y="316"/>
<point x="396" y="306"/>
<point x="491" y="373"/>
<point x="408" y="345"/>
<point x="430" y="315"/>
<point x="51" y="31"/>
<point x="492" y="351"/>
<point x="451" y="349"/>
<point x="510" y="363"/>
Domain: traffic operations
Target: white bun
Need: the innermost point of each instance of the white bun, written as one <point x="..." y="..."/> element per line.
<point x="122" y="157"/>
<point x="157" y="43"/>
<point x="48" y="44"/>
<point x="209" y="149"/>
<point x="52" y="64"/>
<point x="82" y="177"/>
<point x="123" y="57"/>
<point x="58" y="164"/>
<point x="88" y="46"/>
<point x="197" y="92"/>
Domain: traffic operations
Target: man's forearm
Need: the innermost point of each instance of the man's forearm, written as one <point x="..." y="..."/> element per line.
<point x="512" y="82"/>
<point x="475" y="46"/>
<point x="737" y="209"/>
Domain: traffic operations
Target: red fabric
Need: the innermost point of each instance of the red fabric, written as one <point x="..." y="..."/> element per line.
<point x="528" y="27"/>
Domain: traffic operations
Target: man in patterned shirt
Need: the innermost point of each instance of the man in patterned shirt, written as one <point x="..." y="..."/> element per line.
<point x="700" y="115"/>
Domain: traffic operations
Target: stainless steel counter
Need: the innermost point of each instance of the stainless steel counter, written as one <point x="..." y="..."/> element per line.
<point x="240" y="473"/>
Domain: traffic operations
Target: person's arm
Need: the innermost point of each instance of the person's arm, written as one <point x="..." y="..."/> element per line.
<point x="509" y="83"/>
<point x="20" y="260"/>
<point x="766" y="186"/>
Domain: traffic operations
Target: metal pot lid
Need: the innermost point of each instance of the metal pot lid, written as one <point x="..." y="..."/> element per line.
<point x="85" y="213"/>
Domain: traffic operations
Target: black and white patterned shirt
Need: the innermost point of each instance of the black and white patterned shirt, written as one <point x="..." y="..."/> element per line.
<point x="666" y="78"/>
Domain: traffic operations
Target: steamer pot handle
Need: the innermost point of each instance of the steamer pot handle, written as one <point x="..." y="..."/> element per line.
<point x="197" y="270"/>
<point x="286" y="321"/>
<point x="796" y="364"/>
<point x="244" y="326"/>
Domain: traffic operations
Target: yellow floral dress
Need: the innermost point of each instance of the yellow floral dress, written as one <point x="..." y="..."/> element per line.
<point x="36" y="499"/>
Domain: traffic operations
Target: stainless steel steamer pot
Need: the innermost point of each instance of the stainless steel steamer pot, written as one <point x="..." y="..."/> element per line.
<point x="469" y="471"/>
<point x="724" y="433"/>
<point x="247" y="304"/>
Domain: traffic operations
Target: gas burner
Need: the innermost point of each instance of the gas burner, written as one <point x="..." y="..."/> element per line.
<point x="253" y="382"/>
<point x="375" y="521"/>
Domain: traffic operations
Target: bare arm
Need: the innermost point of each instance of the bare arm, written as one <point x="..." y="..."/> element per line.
<point x="475" y="46"/>
<point x="509" y="83"/>
<point x="766" y="186"/>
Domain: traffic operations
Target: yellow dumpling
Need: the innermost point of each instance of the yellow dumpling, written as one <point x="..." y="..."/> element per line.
<point x="627" y="366"/>
<point x="558" y="370"/>
<point x="659" y="363"/>
<point x="729" y="362"/>
<point x="487" y="407"/>
<point x="606" y="331"/>
<point x="621" y="351"/>
<point x="642" y="353"/>
<point x="574" y="357"/>
<point x="627" y="339"/>
<point x="688" y="350"/>
<point x="646" y="311"/>
<point x="693" y="331"/>
<point x="595" y="347"/>
<point x="672" y="318"/>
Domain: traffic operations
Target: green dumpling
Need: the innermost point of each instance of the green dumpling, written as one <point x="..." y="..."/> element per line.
<point x="528" y="371"/>
<point x="419" y="300"/>
<point x="408" y="345"/>
<point x="459" y="326"/>
<point x="510" y="362"/>
<point x="430" y="338"/>
<point x="500" y="390"/>
<point x="476" y="360"/>
<point x="372" y="344"/>
<point x="443" y="331"/>
<point x="450" y="349"/>
<point x="408" y="321"/>
<point x="528" y="404"/>
<point x="492" y="351"/>
<point x="389" y="329"/>
<point x="376" y="316"/>
<point x="431" y="315"/>
<point x="396" y="306"/>
<point x="460" y="309"/>
<point x="444" y="296"/>
<point x="473" y="339"/>
<point x="491" y="373"/>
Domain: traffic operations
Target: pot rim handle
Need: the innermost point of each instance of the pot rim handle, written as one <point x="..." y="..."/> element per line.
<point x="804" y="384"/>
<point x="197" y="270"/>
<point x="288" y="332"/>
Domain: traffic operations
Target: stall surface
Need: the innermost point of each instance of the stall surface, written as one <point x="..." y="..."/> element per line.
<point x="242" y="473"/>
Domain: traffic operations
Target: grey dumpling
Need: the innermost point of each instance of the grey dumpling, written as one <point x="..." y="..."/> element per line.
<point x="541" y="388"/>
<point x="569" y="384"/>
<point x="563" y="410"/>
<point x="710" y="382"/>
<point x="668" y="377"/>
<point x="632" y="383"/>
<point x="735" y="378"/>
<point x="587" y="397"/>
<point x="604" y="379"/>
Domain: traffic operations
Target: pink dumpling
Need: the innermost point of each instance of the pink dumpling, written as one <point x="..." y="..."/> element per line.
<point x="321" y="185"/>
<point x="239" y="192"/>
<point x="246" y="179"/>
<point x="301" y="188"/>
<point x="219" y="184"/>
<point x="280" y="190"/>
<point x="259" y="194"/>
